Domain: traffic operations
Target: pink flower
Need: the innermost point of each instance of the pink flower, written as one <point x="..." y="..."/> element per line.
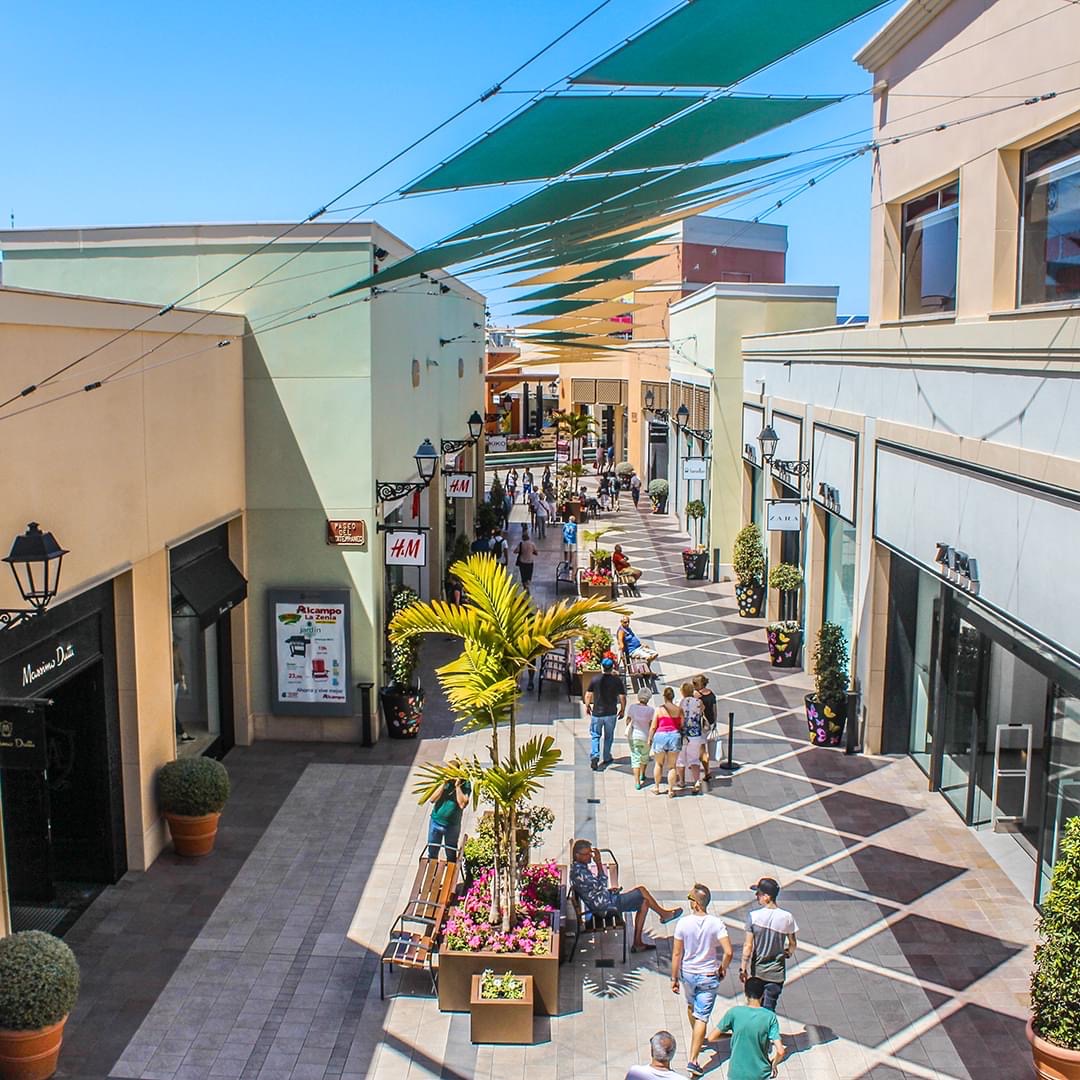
<point x="475" y="941"/>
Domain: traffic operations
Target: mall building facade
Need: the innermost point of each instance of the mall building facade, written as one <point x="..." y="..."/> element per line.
<point x="942" y="440"/>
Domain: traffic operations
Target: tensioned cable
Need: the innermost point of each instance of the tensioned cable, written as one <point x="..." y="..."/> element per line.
<point x="485" y="96"/>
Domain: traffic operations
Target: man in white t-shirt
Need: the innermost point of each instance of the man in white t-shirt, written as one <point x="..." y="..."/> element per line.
<point x="662" y="1050"/>
<point x="700" y="955"/>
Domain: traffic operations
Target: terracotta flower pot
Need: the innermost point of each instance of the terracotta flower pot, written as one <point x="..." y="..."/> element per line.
<point x="30" y="1055"/>
<point x="193" y="836"/>
<point x="750" y="596"/>
<point x="1052" y="1062"/>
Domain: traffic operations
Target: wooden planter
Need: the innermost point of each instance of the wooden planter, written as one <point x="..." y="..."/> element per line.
<point x="826" y="726"/>
<point x="1052" y="1062"/>
<point x="456" y="970"/>
<point x="30" y="1055"/>
<point x="604" y="592"/>
<point x="502" y="1020"/>
<point x="750" y="596"/>
<point x="192" y="837"/>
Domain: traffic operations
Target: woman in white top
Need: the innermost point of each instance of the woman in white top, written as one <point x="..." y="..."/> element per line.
<point x="639" y="718"/>
<point x="694" y="737"/>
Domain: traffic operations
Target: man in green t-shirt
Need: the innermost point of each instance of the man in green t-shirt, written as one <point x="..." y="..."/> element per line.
<point x="445" y="826"/>
<point x="756" y="1048"/>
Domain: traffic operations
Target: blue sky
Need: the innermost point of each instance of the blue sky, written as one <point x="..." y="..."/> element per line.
<point x="127" y="113"/>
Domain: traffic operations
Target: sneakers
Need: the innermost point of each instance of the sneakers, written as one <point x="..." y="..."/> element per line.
<point x="694" y="1069"/>
<point x="185" y="737"/>
<point x="594" y="764"/>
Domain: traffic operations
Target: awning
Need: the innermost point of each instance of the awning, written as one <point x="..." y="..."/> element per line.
<point x="211" y="585"/>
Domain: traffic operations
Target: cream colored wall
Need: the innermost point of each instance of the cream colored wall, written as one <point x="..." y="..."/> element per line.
<point x="118" y="474"/>
<point x="991" y="55"/>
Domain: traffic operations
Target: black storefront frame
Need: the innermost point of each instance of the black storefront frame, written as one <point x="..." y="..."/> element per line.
<point x="212" y="542"/>
<point x="43" y="654"/>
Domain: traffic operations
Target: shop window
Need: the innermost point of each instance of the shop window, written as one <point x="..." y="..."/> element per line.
<point x="839" y="573"/>
<point x="755" y="495"/>
<point x="1062" y="799"/>
<point x="930" y="234"/>
<point x="1050" y="221"/>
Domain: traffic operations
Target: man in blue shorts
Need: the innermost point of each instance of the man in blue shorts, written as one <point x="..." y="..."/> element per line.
<point x="592" y="888"/>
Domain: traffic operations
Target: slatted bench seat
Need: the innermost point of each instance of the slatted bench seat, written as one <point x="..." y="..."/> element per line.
<point x="627" y="583"/>
<point x="564" y="575"/>
<point x="585" y="922"/>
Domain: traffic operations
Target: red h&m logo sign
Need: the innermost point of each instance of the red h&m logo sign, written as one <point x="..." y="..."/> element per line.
<point x="459" y="486"/>
<point x="406" y="548"/>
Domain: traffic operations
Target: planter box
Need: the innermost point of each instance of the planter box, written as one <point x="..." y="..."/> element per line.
<point x="826" y="727"/>
<point x="785" y="647"/>
<point x="696" y="566"/>
<point x="502" y="1020"/>
<point x="750" y="597"/>
<point x="604" y="592"/>
<point x="456" y="970"/>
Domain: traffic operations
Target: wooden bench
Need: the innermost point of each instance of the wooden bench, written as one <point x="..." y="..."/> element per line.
<point x="414" y="937"/>
<point x="628" y="583"/>
<point x="585" y="921"/>
<point x="638" y="673"/>
<point x="564" y="574"/>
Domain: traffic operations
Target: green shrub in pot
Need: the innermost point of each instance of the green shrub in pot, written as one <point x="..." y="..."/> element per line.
<point x="192" y="787"/>
<point x="748" y="555"/>
<point x="786" y="577"/>
<point x="39" y="980"/>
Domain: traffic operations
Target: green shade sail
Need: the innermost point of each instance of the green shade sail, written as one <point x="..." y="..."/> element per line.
<point x="619" y="268"/>
<point x="719" y="42"/>
<point x="558" y="307"/>
<point x="561" y="337"/>
<point x="549" y="137"/>
<point x="553" y="292"/>
<point x="722" y="122"/>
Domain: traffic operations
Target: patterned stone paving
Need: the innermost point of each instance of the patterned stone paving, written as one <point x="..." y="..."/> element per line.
<point x="914" y="946"/>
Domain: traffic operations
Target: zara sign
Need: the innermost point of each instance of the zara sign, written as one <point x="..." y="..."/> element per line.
<point x="783" y="515"/>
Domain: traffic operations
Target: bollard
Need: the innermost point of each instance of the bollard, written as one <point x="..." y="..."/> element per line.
<point x="730" y="765"/>
<point x="365" y="713"/>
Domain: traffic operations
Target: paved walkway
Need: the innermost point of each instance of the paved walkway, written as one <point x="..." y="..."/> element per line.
<point x="913" y="957"/>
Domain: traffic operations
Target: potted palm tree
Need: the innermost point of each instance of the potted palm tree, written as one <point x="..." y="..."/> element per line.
<point x="826" y="707"/>
<point x="658" y="493"/>
<point x="502" y="632"/>
<point x="1054" y="1027"/>
<point x="193" y="791"/>
<point x="748" y="565"/>
<point x="39" y="982"/>
<point x="403" y="698"/>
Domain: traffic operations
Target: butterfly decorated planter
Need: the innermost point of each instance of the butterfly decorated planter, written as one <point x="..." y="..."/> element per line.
<point x="785" y="644"/>
<point x="826" y="722"/>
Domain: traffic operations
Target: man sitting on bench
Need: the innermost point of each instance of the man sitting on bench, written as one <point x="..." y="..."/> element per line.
<point x="622" y="565"/>
<point x="631" y="646"/>
<point x="592" y="888"/>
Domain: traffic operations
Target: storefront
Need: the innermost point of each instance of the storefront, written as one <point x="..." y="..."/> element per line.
<point x="835" y="462"/>
<point x="63" y="811"/>
<point x="753" y="420"/>
<point x="206" y="586"/>
<point x="982" y="686"/>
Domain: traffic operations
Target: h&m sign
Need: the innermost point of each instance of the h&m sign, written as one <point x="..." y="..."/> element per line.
<point x="459" y="485"/>
<point x="406" y="548"/>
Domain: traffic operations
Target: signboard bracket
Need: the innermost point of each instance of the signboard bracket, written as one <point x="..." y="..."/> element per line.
<point x="381" y="527"/>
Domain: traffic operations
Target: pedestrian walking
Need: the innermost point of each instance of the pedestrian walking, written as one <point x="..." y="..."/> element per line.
<point x="610" y="456"/>
<point x="533" y="501"/>
<point x="512" y="485"/>
<point x="481" y="545"/>
<point x="526" y="485"/>
<point x="605" y="702"/>
<point x="525" y="552"/>
<point x="665" y="738"/>
<point x="708" y="704"/>
<point x="639" y="718"/>
<point x="770" y="942"/>
<point x="444" y="828"/>
<point x="603" y="497"/>
<point x="693" y="739"/>
<point x="756" y="1046"/>
<point x="498" y="547"/>
<point x="545" y="479"/>
<point x="635" y="488"/>
<point x="569" y="541"/>
<point x="616" y="485"/>
<point x="700" y="955"/>
<point x="661" y="1051"/>
<point x="540" y="517"/>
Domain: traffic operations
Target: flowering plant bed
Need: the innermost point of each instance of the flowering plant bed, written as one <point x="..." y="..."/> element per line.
<point x="469" y="926"/>
<point x="594" y="645"/>
<point x="596" y="582"/>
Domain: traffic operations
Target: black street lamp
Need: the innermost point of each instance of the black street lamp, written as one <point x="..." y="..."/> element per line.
<point x="650" y="398"/>
<point x="476" y="426"/>
<point x="682" y="414"/>
<point x="427" y="461"/>
<point x="35" y="560"/>
<point x="768" y="440"/>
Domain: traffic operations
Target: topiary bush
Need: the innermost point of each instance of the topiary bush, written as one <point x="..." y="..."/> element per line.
<point x="624" y="469"/>
<point x="786" y="577"/>
<point x="695" y="508"/>
<point x="658" y="488"/>
<point x="748" y="555"/>
<point x="193" y="786"/>
<point x="831" y="666"/>
<point x="1055" y="977"/>
<point x="39" y="980"/>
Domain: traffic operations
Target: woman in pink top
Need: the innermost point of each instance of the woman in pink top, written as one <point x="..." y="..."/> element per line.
<point x="665" y="736"/>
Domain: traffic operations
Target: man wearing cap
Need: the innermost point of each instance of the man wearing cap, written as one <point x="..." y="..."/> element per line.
<point x="605" y="702"/>
<point x="700" y="955"/>
<point x="770" y="942"/>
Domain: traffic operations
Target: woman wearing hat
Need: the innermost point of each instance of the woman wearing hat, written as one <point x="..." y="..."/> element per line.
<point x="639" y="718"/>
<point x="665" y="737"/>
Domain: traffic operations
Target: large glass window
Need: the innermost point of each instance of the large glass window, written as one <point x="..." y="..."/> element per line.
<point x="922" y="739"/>
<point x="1062" y="781"/>
<point x="1050" y="221"/>
<point x="755" y="494"/>
<point x="930" y="236"/>
<point x="839" y="573"/>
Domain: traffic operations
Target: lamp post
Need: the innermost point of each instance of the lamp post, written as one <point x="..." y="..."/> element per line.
<point x="427" y="461"/>
<point x="35" y="560"/>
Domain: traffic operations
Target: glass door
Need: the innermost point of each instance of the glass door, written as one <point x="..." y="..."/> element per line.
<point x="1062" y="782"/>
<point x="961" y="718"/>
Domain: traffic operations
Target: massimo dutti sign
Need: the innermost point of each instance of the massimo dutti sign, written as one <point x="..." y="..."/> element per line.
<point x="52" y="659"/>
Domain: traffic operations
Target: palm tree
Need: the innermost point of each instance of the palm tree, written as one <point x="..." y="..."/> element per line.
<point x="576" y="427"/>
<point x="502" y="633"/>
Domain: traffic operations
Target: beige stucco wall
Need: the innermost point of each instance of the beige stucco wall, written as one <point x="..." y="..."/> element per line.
<point x="118" y="475"/>
<point x="973" y="58"/>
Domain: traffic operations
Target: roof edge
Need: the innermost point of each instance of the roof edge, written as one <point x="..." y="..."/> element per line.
<point x="906" y="24"/>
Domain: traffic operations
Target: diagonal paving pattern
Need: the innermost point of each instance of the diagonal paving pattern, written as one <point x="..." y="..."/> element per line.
<point x="913" y="957"/>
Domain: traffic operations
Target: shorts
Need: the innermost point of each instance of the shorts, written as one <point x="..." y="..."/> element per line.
<point x="700" y="992"/>
<point x="666" y="742"/>
<point x="626" y="902"/>
<point x="690" y="754"/>
<point x="642" y="652"/>
<point x="639" y="749"/>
